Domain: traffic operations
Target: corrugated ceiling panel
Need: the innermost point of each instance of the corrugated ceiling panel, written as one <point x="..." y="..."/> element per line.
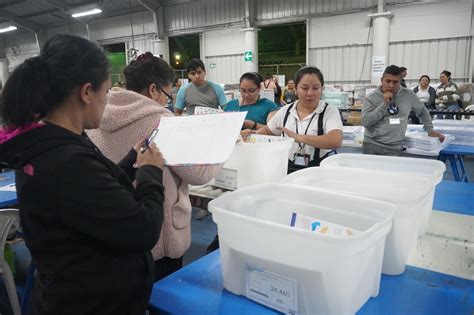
<point x="27" y="7"/>
<point x="281" y="9"/>
<point x="203" y="13"/>
<point x="47" y="19"/>
<point x="113" y="5"/>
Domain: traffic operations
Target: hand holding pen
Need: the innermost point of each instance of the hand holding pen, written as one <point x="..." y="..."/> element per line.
<point x="148" y="153"/>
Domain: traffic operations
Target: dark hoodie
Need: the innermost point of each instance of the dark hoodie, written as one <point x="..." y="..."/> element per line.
<point x="88" y="229"/>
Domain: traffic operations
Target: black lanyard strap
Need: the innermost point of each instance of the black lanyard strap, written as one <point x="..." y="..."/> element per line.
<point x="306" y="131"/>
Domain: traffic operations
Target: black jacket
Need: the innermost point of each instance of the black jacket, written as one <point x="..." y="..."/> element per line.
<point x="88" y="229"/>
<point x="431" y="101"/>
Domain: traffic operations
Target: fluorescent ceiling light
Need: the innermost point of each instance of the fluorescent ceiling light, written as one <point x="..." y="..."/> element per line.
<point x="8" y="29"/>
<point x="90" y="12"/>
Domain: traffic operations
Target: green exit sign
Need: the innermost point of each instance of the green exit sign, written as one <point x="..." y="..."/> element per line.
<point x="248" y="56"/>
<point x="212" y="65"/>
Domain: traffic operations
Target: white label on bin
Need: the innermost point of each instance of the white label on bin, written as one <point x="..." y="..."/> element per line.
<point x="272" y="290"/>
<point x="227" y="178"/>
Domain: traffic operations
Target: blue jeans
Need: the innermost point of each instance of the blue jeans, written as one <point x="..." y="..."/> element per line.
<point x="451" y="107"/>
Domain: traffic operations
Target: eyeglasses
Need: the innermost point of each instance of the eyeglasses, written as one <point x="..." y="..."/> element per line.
<point x="169" y="97"/>
<point x="247" y="91"/>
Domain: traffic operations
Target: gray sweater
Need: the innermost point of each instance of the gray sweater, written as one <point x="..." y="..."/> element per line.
<point x="376" y="118"/>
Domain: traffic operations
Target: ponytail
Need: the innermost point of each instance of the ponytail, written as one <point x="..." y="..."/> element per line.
<point x="25" y="97"/>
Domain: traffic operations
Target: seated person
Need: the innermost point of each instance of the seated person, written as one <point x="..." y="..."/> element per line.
<point x="259" y="110"/>
<point x="447" y="94"/>
<point x="426" y="94"/>
<point x="315" y="126"/>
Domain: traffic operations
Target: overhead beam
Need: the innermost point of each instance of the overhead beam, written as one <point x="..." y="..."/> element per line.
<point x="250" y="13"/>
<point x="59" y="4"/>
<point x="157" y="9"/>
<point x="151" y="5"/>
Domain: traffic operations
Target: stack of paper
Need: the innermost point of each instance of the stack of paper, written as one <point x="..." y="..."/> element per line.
<point x="421" y="143"/>
<point x="461" y="130"/>
<point x="352" y="135"/>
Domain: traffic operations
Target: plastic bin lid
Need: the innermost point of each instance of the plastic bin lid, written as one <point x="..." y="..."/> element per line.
<point x="386" y="186"/>
<point x="416" y="166"/>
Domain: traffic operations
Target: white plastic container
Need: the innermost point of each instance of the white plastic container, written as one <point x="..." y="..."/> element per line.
<point x="263" y="159"/>
<point x="321" y="274"/>
<point x="431" y="169"/>
<point x="410" y="195"/>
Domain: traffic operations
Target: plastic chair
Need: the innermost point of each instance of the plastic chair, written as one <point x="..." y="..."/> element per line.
<point x="7" y="218"/>
<point x="467" y="117"/>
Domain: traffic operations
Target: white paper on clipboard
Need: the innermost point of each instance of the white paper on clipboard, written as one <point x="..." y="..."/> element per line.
<point x="199" y="139"/>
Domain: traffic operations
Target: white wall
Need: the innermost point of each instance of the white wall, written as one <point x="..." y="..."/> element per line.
<point x="426" y="38"/>
<point x="225" y="50"/>
<point x="430" y="21"/>
<point x="119" y="26"/>
<point x="19" y="48"/>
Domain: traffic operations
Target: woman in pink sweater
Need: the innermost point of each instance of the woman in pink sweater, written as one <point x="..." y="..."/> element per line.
<point x="129" y="116"/>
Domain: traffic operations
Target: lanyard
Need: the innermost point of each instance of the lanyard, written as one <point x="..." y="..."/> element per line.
<point x="306" y="132"/>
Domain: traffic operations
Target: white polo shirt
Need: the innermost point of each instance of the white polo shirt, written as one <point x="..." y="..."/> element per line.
<point x="331" y="121"/>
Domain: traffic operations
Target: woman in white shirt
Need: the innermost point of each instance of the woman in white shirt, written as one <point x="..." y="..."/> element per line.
<point x="426" y="94"/>
<point x="315" y="126"/>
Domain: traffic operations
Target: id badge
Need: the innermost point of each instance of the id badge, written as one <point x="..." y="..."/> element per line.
<point x="394" y="121"/>
<point x="301" y="159"/>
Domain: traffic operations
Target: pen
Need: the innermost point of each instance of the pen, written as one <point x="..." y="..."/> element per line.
<point x="147" y="142"/>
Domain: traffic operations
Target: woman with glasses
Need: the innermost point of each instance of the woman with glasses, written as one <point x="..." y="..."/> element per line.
<point x="259" y="110"/>
<point x="131" y="115"/>
<point x="315" y="126"/>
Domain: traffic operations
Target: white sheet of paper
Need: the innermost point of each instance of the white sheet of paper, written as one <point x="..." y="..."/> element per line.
<point x="10" y="187"/>
<point x="199" y="139"/>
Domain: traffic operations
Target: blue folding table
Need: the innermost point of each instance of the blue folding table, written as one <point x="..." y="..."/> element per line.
<point x="7" y="198"/>
<point x="455" y="155"/>
<point x="198" y="289"/>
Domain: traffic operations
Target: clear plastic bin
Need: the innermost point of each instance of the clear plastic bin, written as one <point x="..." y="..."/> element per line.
<point x="263" y="159"/>
<point x="323" y="274"/>
<point x="431" y="169"/>
<point x="410" y="195"/>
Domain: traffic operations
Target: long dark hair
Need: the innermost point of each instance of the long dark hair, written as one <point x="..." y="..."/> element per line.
<point x="148" y="69"/>
<point x="40" y="84"/>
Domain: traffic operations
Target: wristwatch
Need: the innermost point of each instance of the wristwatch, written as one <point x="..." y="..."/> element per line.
<point x="254" y="125"/>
